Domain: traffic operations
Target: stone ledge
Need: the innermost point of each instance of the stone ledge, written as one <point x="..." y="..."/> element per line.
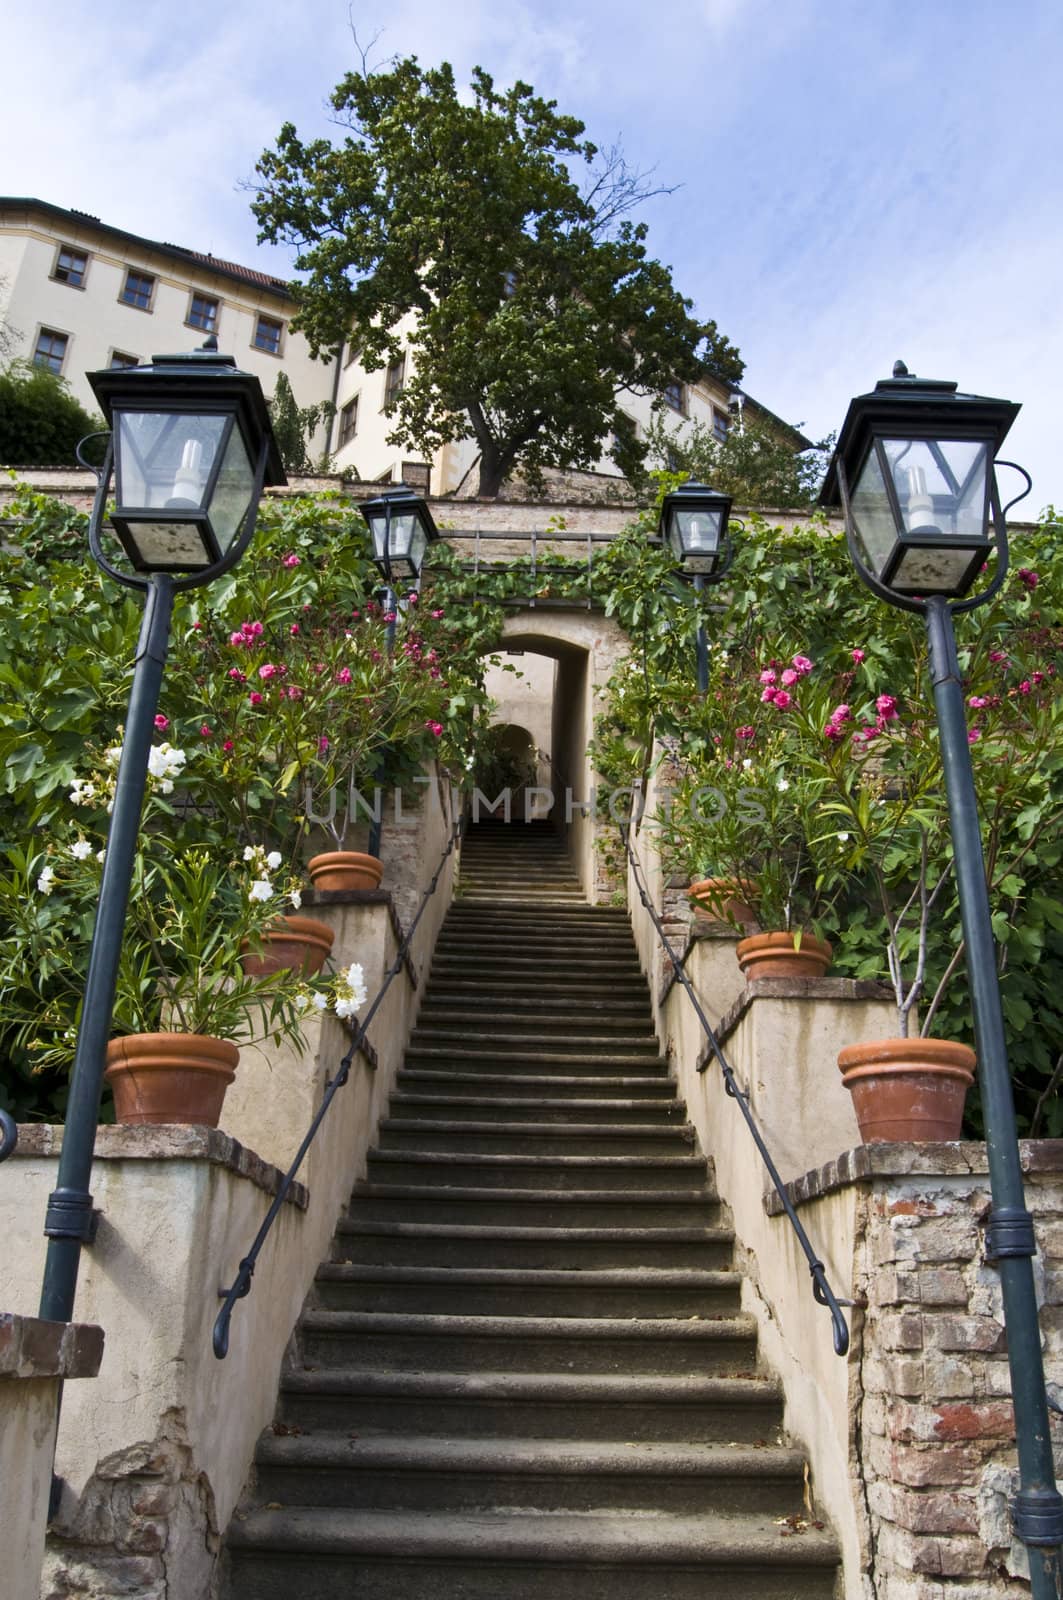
<point x="800" y="989"/>
<point x="959" y="1159"/>
<point x="169" y="1141"/>
<point x="32" y="1348"/>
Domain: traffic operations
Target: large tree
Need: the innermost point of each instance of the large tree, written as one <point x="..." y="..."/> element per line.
<point x="41" y="423"/>
<point x="535" y="302"/>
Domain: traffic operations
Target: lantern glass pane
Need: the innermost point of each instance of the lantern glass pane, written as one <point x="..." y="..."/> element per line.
<point x="697" y="531"/>
<point x="933" y="569"/>
<point x="872" y="515"/>
<point x="232" y="492"/>
<point x="170" y="546"/>
<point x="941" y="485"/>
<point x="164" y="458"/>
<point x="403" y="528"/>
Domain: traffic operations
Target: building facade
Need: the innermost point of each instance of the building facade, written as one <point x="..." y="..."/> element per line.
<point x="78" y="295"/>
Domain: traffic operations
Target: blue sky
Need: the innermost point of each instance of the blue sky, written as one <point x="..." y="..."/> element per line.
<point x="857" y="181"/>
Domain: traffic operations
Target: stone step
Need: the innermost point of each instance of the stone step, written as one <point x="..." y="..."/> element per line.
<point x="511" y="1108"/>
<point x="533" y="1406"/>
<point x="422" y="1343"/>
<point x="461" y="981"/>
<point x="514" y="1028"/>
<point x="706" y="1245"/>
<point x="544" y="1475"/>
<point x="507" y="1041"/>
<point x="540" y="1058"/>
<point x="493" y="1291"/>
<point x="450" y="1004"/>
<point x="513" y="1086"/>
<point x="319" y="1554"/>
<point x="426" y="1135"/>
<point x="533" y="1172"/>
<point x="531" y="1208"/>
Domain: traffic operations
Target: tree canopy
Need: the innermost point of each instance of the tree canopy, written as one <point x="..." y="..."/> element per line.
<point x="533" y="301"/>
<point x="753" y="462"/>
<point x="41" y="423"/>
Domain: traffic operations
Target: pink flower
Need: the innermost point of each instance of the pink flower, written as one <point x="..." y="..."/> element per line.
<point x="998" y="656"/>
<point x="294" y="692"/>
<point x="294" y="629"/>
<point x="322" y="745"/>
<point x="228" y="745"/>
<point x="768" y="695"/>
<point x="435" y="727"/>
<point x="802" y="664"/>
<point x="237" y="638"/>
<point x="973" y="735"/>
<point x="886" y="706"/>
<point x="389" y="616"/>
<point x="834" y="730"/>
<point x="434" y="672"/>
<point x="782" y="699"/>
<point x="841" y="714"/>
<point x="745" y="732"/>
<point x="857" y="655"/>
<point x="767" y="676"/>
<point x="253" y="630"/>
<point x="789" y="677"/>
<point x="240" y="677"/>
<point x="1025" y="686"/>
<point x="344" y="675"/>
<point x="162" y="723"/>
<point x="1027" y="577"/>
<point x="254" y="698"/>
<point x="413" y="597"/>
<point x="437" y="614"/>
<point x="196" y="626"/>
<point x="291" y="559"/>
<point x="356" y="615"/>
<point x="978" y="701"/>
<point x="268" y="670"/>
<point x="206" y="732"/>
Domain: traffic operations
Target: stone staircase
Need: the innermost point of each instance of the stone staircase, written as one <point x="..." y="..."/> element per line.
<point x="524" y="1372"/>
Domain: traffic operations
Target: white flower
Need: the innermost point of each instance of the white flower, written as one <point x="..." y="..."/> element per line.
<point x="351" y="992"/>
<point x="100" y="854"/>
<point x="346" y="1006"/>
<point x="113" y="755"/>
<point x="250" y="852"/>
<point x="747" y="763"/>
<point x="165" y="762"/>
<point x="82" y="793"/>
<point x="261" y="889"/>
<point x="782" y="785"/>
<point x="166" y="786"/>
<point x="296" y="898"/>
<point x="273" y="860"/>
<point x="319" y="1001"/>
<point x="46" y="879"/>
<point x="81" y="850"/>
<point x="843" y="837"/>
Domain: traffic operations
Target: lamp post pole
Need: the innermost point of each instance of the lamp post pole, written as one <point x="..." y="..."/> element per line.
<point x="702" y="643"/>
<point x="69" y="1219"/>
<point x="914" y="473"/>
<point x="1037" y="1510"/>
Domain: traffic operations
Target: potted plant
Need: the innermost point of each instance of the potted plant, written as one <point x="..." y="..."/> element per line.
<point x="185" y="1000"/>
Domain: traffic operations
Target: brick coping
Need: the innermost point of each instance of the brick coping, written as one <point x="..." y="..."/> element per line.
<point x="960" y="1159"/>
<point x="164" y="1142"/>
<point x="32" y="1348"/>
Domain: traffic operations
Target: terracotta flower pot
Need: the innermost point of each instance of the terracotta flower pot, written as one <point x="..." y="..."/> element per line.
<point x="772" y="955"/>
<point x="908" y="1089"/>
<point x="295" y="944"/>
<point x="345" y="869"/>
<point x="170" y="1077"/>
<point x="724" y="900"/>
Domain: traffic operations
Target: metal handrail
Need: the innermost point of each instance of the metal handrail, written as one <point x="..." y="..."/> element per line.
<point x="241" y="1284"/>
<point x="821" y="1289"/>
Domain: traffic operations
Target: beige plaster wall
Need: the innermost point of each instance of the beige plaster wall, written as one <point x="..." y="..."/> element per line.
<point x="27" y="1429"/>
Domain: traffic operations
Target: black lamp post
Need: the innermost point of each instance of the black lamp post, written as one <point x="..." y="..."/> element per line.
<point x="694" y="525"/>
<point x="402" y="528"/>
<point x="191" y="448"/>
<point x="913" y="470"/>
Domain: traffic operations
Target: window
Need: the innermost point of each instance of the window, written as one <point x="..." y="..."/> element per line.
<point x="721" y="424"/>
<point x="268" y="335"/>
<point x="51" y="349"/>
<point x="70" y="267"/>
<point x="119" y="358"/>
<point x="138" y="290"/>
<point x="675" y="396"/>
<point x="396" y="377"/>
<point x="203" y="313"/>
<point x="348" y="421"/>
